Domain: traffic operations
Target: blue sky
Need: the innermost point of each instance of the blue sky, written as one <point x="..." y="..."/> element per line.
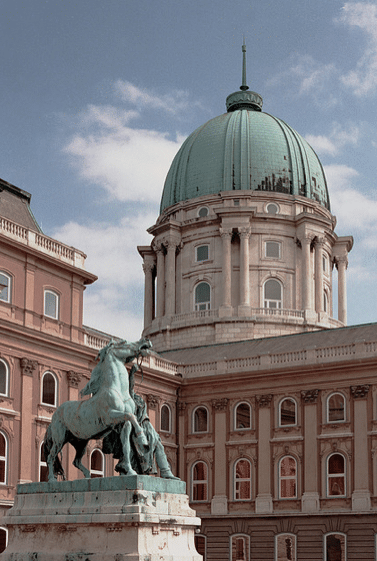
<point x="98" y="96"/>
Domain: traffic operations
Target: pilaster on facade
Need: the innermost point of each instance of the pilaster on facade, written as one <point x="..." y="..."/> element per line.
<point x="226" y="273"/>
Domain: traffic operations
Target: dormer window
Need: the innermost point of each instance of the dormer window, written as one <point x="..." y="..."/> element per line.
<point x="51" y="304"/>
<point x="272" y="208"/>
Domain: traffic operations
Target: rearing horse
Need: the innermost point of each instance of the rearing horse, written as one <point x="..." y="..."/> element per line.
<point x="77" y="422"/>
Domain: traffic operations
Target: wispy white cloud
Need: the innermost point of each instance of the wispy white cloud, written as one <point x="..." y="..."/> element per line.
<point x="114" y="303"/>
<point x="363" y="79"/>
<point x="174" y="102"/>
<point x="129" y="163"/>
<point x="335" y="141"/>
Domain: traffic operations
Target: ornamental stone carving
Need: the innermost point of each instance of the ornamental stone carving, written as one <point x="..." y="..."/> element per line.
<point x="264" y="400"/>
<point x="74" y="378"/>
<point x="220" y="404"/>
<point x="359" y="391"/>
<point x="152" y="401"/>
<point x="309" y="396"/>
<point x="28" y="366"/>
<point x="181" y="407"/>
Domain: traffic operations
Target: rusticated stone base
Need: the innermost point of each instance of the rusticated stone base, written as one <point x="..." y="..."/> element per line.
<point x="123" y="518"/>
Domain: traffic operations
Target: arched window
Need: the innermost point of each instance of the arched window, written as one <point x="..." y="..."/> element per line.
<point x="4" y="377"/>
<point x="49" y="389"/>
<point x="51" y="304"/>
<point x="272" y="294"/>
<point x="202" y="296"/>
<point x="325" y="302"/>
<point x="336" y="408"/>
<point x="287" y="478"/>
<point x="3" y="539"/>
<point x="242" y="416"/>
<point x="287" y="412"/>
<point x="200" y="419"/>
<point x="336" y="476"/>
<point x="165" y="424"/>
<point x="285" y="547"/>
<point x="202" y="252"/>
<point x="199" y="480"/>
<point x="201" y="545"/>
<point x="3" y="458"/>
<point x="242" y="480"/>
<point x="5" y="287"/>
<point x="335" y="547"/>
<point x="97" y="464"/>
<point x="240" y="547"/>
<point x="43" y="469"/>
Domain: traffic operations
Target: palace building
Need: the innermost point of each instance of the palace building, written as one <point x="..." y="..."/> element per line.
<point x="265" y="402"/>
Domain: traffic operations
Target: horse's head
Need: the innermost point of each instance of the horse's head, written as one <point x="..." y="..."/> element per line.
<point x="145" y="345"/>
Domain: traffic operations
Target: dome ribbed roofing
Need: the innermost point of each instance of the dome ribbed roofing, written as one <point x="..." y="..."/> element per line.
<point x="248" y="150"/>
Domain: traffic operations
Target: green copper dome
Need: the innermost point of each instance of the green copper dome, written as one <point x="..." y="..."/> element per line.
<point x="245" y="150"/>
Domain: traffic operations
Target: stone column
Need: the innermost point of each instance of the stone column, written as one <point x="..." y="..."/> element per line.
<point x="226" y="304"/>
<point x="310" y="495"/>
<point x="171" y="246"/>
<point x="73" y="379"/>
<point x="306" y="274"/>
<point x="244" y="234"/>
<point x="263" y="501"/>
<point x="160" y="304"/>
<point x="182" y="405"/>
<point x="361" y="492"/>
<point x="341" y="265"/>
<point x="27" y="449"/>
<point x="319" y="275"/>
<point x="148" y="268"/>
<point x="219" y="503"/>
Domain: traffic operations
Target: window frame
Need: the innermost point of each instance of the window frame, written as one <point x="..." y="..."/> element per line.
<point x="289" y="535"/>
<point x="9" y="286"/>
<point x="5" y="458"/>
<point x="207" y="303"/>
<point x="205" y="544"/>
<point x="246" y="537"/>
<point x="203" y="207"/>
<point x="281" y="425"/>
<point x="193" y="420"/>
<point x="57" y="296"/>
<point x="196" y="253"/>
<point x="338" y="475"/>
<point x="328" y="409"/>
<point x="242" y="480"/>
<point x="325" y="543"/>
<point x="282" y="478"/>
<point x="199" y="482"/>
<point x="41" y="463"/>
<point x="265" y="249"/>
<point x="6" y="366"/>
<point x="6" y="536"/>
<point x="279" y="302"/>
<point x="169" y="430"/>
<point x="97" y="473"/>
<point x="235" y="416"/>
<point x="55" y="404"/>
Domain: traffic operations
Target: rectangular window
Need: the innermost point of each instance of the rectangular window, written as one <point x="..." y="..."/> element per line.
<point x="240" y="548"/>
<point x="285" y="549"/>
<point x="202" y="253"/>
<point x="4" y="288"/>
<point x="273" y="250"/>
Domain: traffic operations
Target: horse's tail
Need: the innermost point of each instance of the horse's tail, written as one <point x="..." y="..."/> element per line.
<point x="47" y="445"/>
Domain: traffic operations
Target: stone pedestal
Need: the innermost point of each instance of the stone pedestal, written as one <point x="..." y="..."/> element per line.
<point x="122" y="518"/>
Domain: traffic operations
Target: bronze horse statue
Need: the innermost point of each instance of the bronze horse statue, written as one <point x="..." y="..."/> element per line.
<point x="110" y="404"/>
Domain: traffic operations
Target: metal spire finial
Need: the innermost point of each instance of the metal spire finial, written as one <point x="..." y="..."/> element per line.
<point x="244" y="86"/>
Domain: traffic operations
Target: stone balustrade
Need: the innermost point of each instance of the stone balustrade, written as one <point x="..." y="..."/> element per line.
<point x="42" y="243"/>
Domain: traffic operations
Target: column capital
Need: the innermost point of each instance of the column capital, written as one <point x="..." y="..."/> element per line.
<point x="153" y="401"/>
<point x="148" y="267"/>
<point x="220" y="404"/>
<point x="309" y="396"/>
<point x="264" y="400"/>
<point x="359" y="391"/>
<point x="74" y="378"/>
<point x="28" y="366"/>
<point x="341" y="261"/>
<point x="182" y="405"/>
<point x="244" y="232"/>
<point x="225" y="232"/>
<point x="319" y="242"/>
